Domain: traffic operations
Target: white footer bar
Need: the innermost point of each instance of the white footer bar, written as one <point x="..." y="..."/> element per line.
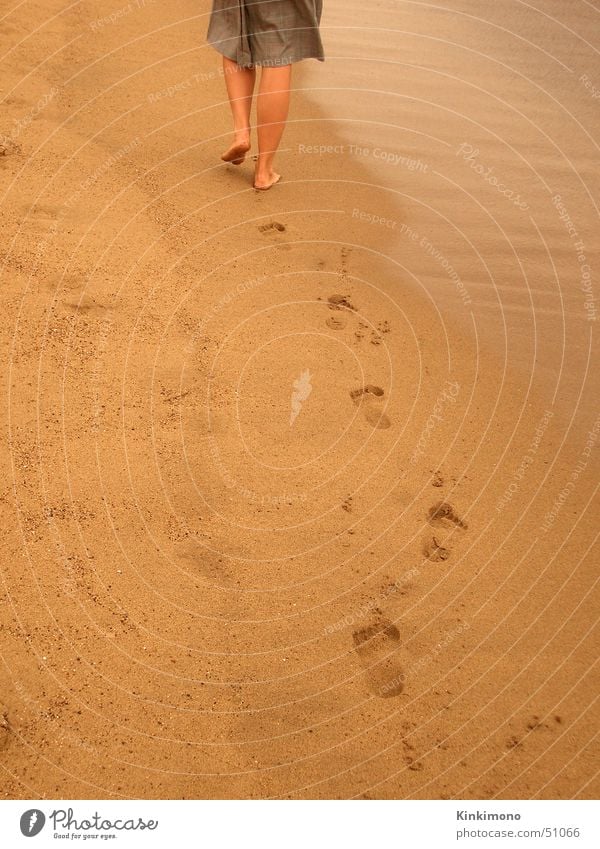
<point x="299" y="824"/>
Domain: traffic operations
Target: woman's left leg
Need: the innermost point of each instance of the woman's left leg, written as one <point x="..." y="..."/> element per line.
<point x="272" y="105"/>
<point x="240" y="87"/>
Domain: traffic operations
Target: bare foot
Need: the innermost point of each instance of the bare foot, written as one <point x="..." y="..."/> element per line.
<point x="237" y="152"/>
<point x="265" y="182"/>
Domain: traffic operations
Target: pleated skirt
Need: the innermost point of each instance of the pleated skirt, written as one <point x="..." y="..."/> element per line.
<point x="266" y="32"/>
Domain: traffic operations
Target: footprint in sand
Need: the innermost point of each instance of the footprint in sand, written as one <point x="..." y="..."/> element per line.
<point x="376" y="644"/>
<point x="340" y="302"/>
<point x="377" y="418"/>
<point x="434" y="551"/>
<point x="204" y="563"/>
<point x="272" y="226"/>
<point x="369" y="389"/>
<point x="442" y="513"/>
<point x="341" y="307"/>
<point x="85" y="305"/>
<point x="336" y="322"/>
<point x="444" y="517"/>
<point x="373" y="413"/>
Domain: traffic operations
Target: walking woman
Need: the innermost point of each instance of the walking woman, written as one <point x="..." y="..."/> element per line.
<point x="272" y="34"/>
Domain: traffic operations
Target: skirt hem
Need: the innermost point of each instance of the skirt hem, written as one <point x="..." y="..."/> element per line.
<point x="264" y="63"/>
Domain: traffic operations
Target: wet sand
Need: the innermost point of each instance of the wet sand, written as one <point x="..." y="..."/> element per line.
<point x="299" y="488"/>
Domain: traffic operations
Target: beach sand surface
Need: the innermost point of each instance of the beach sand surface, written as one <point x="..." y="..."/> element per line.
<point x="299" y="488"/>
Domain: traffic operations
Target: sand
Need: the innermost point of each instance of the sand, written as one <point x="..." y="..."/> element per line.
<point x="299" y="488"/>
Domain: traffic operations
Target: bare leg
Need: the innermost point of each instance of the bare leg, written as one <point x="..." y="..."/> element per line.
<point x="272" y="110"/>
<point x="240" y="86"/>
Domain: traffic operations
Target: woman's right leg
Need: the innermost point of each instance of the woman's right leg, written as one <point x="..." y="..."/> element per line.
<point x="240" y="87"/>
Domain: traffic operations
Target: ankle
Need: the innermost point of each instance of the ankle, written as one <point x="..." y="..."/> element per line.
<point x="264" y="167"/>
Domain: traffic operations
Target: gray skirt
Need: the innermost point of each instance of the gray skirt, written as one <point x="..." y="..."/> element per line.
<point x="266" y="32"/>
